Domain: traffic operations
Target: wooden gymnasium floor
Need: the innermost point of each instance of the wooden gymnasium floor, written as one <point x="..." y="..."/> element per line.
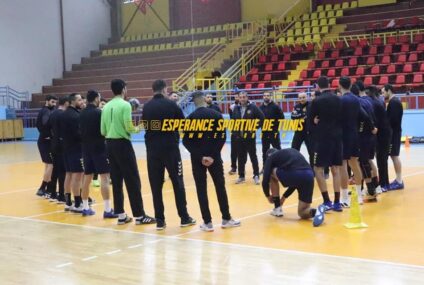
<point x="40" y="244"/>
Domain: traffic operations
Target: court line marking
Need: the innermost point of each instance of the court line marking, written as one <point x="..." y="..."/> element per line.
<point x="89" y="258"/>
<point x="135" y="246"/>
<point x="178" y="237"/>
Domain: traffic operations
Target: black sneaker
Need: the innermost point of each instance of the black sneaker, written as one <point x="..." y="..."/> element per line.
<point x="61" y="200"/>
<point x="186" y="222"/>
<point x="53" y="197"/>
<point x="124" y="221"/>
<point x="160" y="225"/>
<point x="145" y="220"/>
<point x="41" y="192"/>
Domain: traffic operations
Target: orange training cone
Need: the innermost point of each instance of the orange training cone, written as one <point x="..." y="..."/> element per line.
<point x="406" y="141"/>
<point x="355" y="219"/>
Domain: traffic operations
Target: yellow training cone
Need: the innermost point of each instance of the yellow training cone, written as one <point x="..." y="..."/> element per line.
<point x="355" y="219"/>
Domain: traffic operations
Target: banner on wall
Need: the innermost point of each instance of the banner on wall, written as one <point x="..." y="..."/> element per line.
<point x="143" y="6"/>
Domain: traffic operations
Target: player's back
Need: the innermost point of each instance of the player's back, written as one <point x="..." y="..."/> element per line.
<point x="328" y="109"/>
<point x="350" y="112"/>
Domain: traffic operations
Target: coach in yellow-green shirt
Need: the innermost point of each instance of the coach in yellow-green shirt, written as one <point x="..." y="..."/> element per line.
<point x="117" y="126"/>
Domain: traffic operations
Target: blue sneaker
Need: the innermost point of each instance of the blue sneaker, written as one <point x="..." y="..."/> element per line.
<point x="337" y="207"/>
<point x="319" y="216"/>
<point x="110" y="215"/>
<point x="396" y="186"/>
<point x="88" y="212"/>
<point x="385" y="188"/>
<point x="328" y="206"/>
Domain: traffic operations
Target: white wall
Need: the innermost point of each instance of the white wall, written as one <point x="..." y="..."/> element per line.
<point x="30" y="38"/>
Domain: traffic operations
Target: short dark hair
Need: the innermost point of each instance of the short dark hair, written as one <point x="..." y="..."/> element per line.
<point x="72" y="97"/>
<point x="345" y="82"/>
<point x="63" y="100"/>
<point x="355" y="89"/>
<point x="360" y="85"/>
<point x="373" y="91"/>
<point x="388" y="87"/>
<point x="51" y="97"/>
<point x="158" y="85"/>
<point x="92" y="95"/>
<point x="197" y="94"/>
<point x="323" y="82"/>
<point x="117" y="86"/>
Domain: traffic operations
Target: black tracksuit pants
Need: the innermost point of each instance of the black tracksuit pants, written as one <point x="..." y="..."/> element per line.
<point x="123" y="167"/>
<point x="244" y="147"/>
<point x="58" y="175"/>
<point x="382" y="151"/>
<point x="233" y="153"/>
<point x="157" y="161"/>
<point x="216" y="171"/>
<point x="267" y="141"/>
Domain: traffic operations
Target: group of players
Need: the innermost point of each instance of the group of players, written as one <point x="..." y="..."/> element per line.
<point x="342" y="132"/>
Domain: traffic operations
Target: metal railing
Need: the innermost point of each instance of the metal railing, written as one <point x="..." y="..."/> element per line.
<point x="13" y="99"/>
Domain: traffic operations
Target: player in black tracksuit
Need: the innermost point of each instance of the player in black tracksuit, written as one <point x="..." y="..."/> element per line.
<point x="59" y="171"/>
<point x="289" y="167"/>
<point x="234" y="153"/>
<point x="43" y="143"/>
<point x="211" y="104"/>
<point x="163" y="151"/>
<point x="273" y="112"/>
<point x="395" y="114"/>
<point x="300" y="113"/>
<point x="206" y="156"/>
<point x="384" y="137"/>
<point x="246" y="141"/>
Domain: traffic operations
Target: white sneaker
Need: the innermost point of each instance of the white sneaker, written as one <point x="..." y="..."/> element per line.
<point x="277" y="212"/>
<point x="240" y="180"/>
<point x="230" y="224"/>
<point x="77" y="210"/>
<point x="360" y="199"/>
<point x="378" y="190"/>
<point x="345" y="201"/>
<point x="206" y="227"/>
<point x="68" y="208"/>
<point x="256" y="179"/>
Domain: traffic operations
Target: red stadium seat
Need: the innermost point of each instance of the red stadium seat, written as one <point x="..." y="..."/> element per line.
<point x="371" y="60"/>
<point x="326" y="46"/>
<point x="391" y="40"/>
<point x="281" y="66"/>
<point x="407" y="68"/>
<point x="401" y="58"/>
<point x="331" y="73"/>
<point x="304" y="74"/>
<point x="292" y="84"/>
<point x="422" y="67"/>
<point x="311" y="64"/>
<point x="353" y="61"/>
<point x="413" y="57"/>
<point x="339" y="63"/>
<point x="363" y="42"/>
<point x="248" y="86"/>
<point x="274" y="50"/>
<point x="268" y="67"/>
<point x="287" y="57"/>
<point x="317" y="73"/>
<point x="254" y="70"/>
<point x="388" y="49"/>
<point x="373" y="50"/>
<point x="384" y="80"/>
<point x="325" y="64"/>
<point x="377" y="41"/>
<point x="274" y="57"/>
<point x="286" y="49"/>
<point x="306" y="83"/>
<point x="339" y="44"/>
<point x="298" y="48"/>
<point x="418" y="78"/>
<point x="353" y="43"/>
<point x="335" y="54"/>
<point x="261" y="85"/>
<point x="419" y="38"/>
<point x="391" y="68"/>
<point x="368" y="81"/>
<point x="335" y="83"/>
<point x="420" y="47"/>
<point x="267" y="77"/>
<point x="360" y="71"/>
<point x="243" y="78"/>
<point x="400" y="79"/>
<point x="310" y="47"/>
<point x="403" y="39"/>
<point x="385" y="60"/>
<point x="375" y="70"/>
<point x="345" y="72"/>
<point x="404" y="48"/>
<point x="358" y="51"/>
<point x="321" y="55"/>
<point x="255" y="78"/>
<point x="262" y="59"/>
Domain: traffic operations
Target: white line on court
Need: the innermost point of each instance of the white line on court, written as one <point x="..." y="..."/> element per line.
<point x="64" y="265"/>
<point x="135" y="246"/>
<point x="89" y="258"/>
<point x="113" y="251"/>
<point x="18" y="191"/>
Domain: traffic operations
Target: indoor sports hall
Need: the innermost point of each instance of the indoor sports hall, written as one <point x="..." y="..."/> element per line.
<point x="56" y="49"/>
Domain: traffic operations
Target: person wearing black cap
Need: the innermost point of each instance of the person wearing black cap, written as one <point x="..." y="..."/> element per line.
<point x="384" y="137"/>
<point x="163" y="151"/>
<point x="206" y="156"/>
<point x="59" y="172"/>
<point x="395" y="114"/>
<point x="44" y="142"/>
<point x="289" y="167"/>
<point x="246" y="140"/>
<point x="271" y="111"/>
<point x="326" y="113"/>
<point x="116" y="125"/>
